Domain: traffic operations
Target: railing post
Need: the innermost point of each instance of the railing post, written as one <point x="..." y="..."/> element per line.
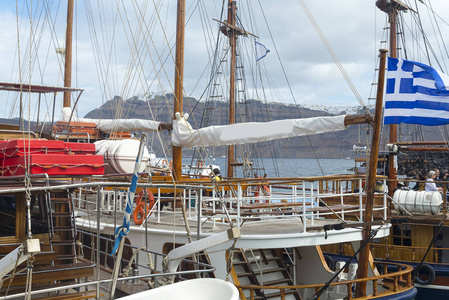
<point x="385" y="201"/>
<point x="199" y="194"/>
<point x="311" y="201"/>
<point x="342" y="201"/>
<point x="409" y="279"/>
<point x="304" y="206"/>
<point x="375" y="287"/>
<point x="295" y="193"/>
<point x="360" y="199"/>
<point x="282" y="294"/>
<point x="349" y="287"/>
<point x="239" y="196"/>
<point x="159" y="205"/>
<point x="214" y="195"/>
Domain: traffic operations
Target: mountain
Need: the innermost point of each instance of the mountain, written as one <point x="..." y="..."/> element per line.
<point x="328" y="145"/>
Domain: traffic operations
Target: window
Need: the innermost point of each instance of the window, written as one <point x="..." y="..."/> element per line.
<point x="402" y="235"/>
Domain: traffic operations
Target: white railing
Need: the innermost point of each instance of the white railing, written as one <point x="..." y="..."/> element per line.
<point x="306" y="201"/>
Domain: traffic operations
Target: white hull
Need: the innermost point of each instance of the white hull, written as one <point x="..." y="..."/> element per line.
<point x="195" y="289"/>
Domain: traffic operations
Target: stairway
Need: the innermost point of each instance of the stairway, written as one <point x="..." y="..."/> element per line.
<point x="262" y="267"/>
<point x="61" y="219"/>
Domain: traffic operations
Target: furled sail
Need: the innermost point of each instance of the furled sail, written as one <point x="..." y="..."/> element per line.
<point x="109" y="125"/>
<point x="243" y="133"/>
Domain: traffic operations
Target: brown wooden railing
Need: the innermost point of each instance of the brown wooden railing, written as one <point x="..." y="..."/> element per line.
<point x="395" y="282"/>
<point x="397" y="252"/>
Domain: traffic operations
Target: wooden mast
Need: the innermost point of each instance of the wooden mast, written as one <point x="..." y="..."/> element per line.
<point x="68" y="53"/>
<point x="232" y="35"/>
<point x="392" y="8"/>
<point x="362" y="271"/>
<point x="393" y="128"/>
<point x="179" y="72"/>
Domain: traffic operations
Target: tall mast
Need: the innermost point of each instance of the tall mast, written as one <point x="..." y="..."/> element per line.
<point x="232" y="35"/>
<point x="68" y="53"/>
<point x="392" y="8"/>
<point x="179" y="73"/>
<point x="362" y="271"/>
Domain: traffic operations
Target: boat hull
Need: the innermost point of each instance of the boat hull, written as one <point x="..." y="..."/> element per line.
<point x="195" y="289"/>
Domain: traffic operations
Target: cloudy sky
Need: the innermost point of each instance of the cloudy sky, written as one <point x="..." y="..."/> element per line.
<point x="121" y="47"/>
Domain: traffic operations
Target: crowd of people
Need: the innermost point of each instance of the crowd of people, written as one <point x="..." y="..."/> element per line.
<point x="434" y="181"/>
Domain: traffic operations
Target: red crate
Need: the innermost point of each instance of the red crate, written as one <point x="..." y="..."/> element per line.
<point x="79" y="148"/>
<point x="55" y="164"/>
<point x="21" y="146"/>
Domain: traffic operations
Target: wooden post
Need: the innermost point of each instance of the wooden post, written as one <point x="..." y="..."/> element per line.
<point x="393" y="128"/>
<point x="232" y="35"/>
<point x="179" y="73"/>
<point x="362" y="271"/>
<point x="68" y="53"/>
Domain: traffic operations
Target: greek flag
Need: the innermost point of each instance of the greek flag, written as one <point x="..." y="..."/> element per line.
<point x="261" y="51"/>
<point x="415" y="94"/>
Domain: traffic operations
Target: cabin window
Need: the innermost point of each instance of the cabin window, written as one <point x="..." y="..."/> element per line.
<point x="402" y="235"/>
<point x="7" y="215"/>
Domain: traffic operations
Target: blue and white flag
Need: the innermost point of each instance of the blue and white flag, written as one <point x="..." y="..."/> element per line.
<point x="415" y="94"/>
<point x="261" y="51"/>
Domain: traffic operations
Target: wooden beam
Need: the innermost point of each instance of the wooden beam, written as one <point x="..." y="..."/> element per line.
<point x="358" y="119"/>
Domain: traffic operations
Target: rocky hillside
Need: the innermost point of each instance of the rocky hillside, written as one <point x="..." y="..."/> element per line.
<point x="328" y="145"/>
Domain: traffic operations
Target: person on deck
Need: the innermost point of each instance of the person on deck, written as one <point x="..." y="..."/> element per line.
<point x="430" y="183"/>
<point x="437" y="177"/>
<point x="217" y="175"/>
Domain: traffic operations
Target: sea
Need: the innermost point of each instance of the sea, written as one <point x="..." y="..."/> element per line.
<point x="289" y="167"/>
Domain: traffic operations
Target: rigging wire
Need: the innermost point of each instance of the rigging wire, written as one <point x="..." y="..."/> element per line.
<point x="288" y="83"/>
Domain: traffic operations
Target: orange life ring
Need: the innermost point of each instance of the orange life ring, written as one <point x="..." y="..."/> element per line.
<point x="140" y="206"/>
<point x="164" y="163"/>
<point x="170" y="164"/>
<point x="257" y="192"/>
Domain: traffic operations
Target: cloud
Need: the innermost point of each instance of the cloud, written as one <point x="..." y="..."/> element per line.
<point x="115" y="53"/>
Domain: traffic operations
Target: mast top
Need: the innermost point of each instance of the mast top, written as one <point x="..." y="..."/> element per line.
<point x="387" y="5"/>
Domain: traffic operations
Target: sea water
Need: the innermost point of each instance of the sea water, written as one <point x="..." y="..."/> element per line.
<point x="290" y="167"/>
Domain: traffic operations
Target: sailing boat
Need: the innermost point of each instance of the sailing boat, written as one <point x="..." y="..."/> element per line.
<point x="42" y="255"/>
<point x="279" y="220"/>
<point x="420" y="240"/>
<point x="260" y="232"/>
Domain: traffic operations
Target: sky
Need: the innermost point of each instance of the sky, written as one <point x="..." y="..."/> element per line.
<point x="116" y="53"/>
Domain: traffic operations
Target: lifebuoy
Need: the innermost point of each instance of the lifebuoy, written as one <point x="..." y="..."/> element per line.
<point x="139" y="211"/>
<point x="257" y="191"/>
<point x="422" y="271"/>
<point x="164" y="163"/>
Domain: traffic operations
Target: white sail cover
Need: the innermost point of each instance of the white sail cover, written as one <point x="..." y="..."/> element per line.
<point x="110" y="125"/>
<point x="243" y="133"/>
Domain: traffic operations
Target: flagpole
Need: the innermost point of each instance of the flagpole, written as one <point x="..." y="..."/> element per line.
<point x="362" y="271"/>
<point x="122" y="231"/>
